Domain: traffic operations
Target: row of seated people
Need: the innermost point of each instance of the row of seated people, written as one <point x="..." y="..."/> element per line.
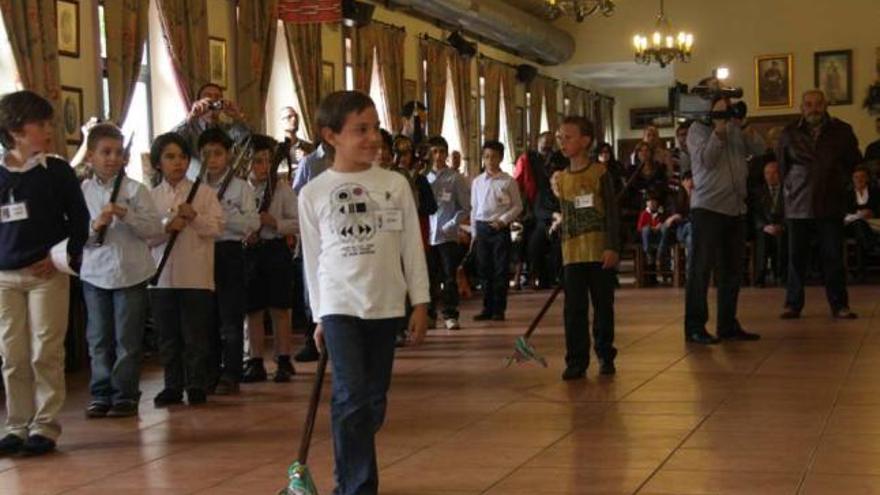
<point x="664" y="221"/>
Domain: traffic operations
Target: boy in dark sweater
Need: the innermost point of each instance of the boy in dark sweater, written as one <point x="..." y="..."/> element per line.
<point x="41" y="205"/>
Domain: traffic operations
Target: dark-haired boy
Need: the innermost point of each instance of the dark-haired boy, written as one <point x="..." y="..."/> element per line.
<point x="590" y="247"/>
<point x="270" y="267"/>
<point x="453" y="206"/>
<point x="114" y="275"/>
<point x="495" y="203"/>
<point x="41" y="204"/>
<point x="226" y="336"/>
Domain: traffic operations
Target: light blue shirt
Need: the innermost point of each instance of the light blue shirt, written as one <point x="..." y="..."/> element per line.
<point x="124" y="260"/>
<point x="720" y="167"/>
<point x="239" y="210"/>
<point x="310" y="167"/>
<point x="453" y="205"/>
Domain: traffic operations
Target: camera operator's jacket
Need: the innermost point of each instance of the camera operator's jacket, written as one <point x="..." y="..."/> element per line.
<point x="816" y="171"/>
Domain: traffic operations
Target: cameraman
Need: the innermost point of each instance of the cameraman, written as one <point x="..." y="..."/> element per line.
<point x="719" y="147"/>
<point x="211" y="110"/>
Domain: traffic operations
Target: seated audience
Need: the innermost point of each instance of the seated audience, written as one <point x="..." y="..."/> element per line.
<point x="864" y="204"/>
<point x="655" y="234"/>
<point x="768" y="217"/>
<point x="679" y="220"/>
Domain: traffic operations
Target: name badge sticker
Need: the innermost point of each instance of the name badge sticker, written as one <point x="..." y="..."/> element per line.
<point x="13" y="212"/>
<point x="390" y="220"/>
<point x="583" y="201"/>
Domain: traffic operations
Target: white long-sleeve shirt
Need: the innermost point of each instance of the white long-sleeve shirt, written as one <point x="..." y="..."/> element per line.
<point x="191" y="263"/>
<point x="495" y="199"/>
<point x="283" y="209"/>
<point x="362" y="245"/>
<point x="240" y="216"/>
<point x="124" y="259"/>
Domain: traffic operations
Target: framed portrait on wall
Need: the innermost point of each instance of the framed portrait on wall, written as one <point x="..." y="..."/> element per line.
<point x="774" y="81"/>
<point x="218" y="64"/>
<point x="72" y="114"/>
<point x="832" y="73"/>
<point x="67" y="18"/>
<point x="410" y="91"/>
<point x="659" y="117"/>
<point x="328" y="78"/>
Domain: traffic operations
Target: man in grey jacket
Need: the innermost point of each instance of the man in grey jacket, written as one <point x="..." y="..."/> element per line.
<point x="718" y="204"/>
<point x="817" y="155"/>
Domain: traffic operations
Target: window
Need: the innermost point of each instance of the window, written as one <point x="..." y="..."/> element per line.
<point x="566" y="106"/>
<point x="545" y="119"/>
<point x="348" y="57"/>
<point x="503" y="135"/>
<point x="451" y="130"/>
<point x="168" y="107"/>
<point x="482" y="110"/>
<point x="138" y="121"/>
<point x="9" y="79"/>
<point x="377" y="93"/>
<point x="528" y="130"/>
<point x="282" y="92"/>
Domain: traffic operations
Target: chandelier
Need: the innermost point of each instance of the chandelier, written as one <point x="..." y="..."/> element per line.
<point x="663" y="46"/>
<point x="579" y="9"/>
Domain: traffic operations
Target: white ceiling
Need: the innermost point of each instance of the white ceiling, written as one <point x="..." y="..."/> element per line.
<point x="621" y="75"/>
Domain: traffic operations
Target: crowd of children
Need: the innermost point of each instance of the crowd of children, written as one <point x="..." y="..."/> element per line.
<point x="379" y="225"/>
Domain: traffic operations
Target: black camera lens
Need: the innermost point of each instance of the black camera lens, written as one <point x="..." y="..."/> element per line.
<point x="216" y="105"/>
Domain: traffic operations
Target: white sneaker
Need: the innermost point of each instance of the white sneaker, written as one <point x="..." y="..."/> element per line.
<point x="452" y="324"/>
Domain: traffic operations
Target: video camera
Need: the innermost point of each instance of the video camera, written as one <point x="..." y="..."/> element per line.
<point x="697" y="103"/>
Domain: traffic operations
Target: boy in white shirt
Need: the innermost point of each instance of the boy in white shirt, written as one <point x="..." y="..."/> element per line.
<point x="114" y="275"/>
<point x="495" y="203"/>
<point x="236" y="196"/>
<point x="182" y="300"/>
<point x="363" y="254"/>
<point x="270" y="266"/>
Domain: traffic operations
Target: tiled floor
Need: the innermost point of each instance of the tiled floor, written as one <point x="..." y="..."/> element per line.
<point x="797" y="412"/>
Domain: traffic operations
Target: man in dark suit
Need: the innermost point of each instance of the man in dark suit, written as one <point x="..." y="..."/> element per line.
<point x="768" y="218"/>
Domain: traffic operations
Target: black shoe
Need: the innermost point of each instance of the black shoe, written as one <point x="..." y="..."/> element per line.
<point x="38" y="445"/>
<point x="97" y="410"/>
<point x="574" y="373"/>
<point x="703" y="338"/>
<point x="844" y="314"/>
<point x="284" y="371"/>
<point x="227" y="386"/>
<point x="790" y="314"/>
<point x="739" y="334"/>
<point x="196" y="396"/>
<point x="483" y="316"/>
<point x="125" y="409"/>
<point x="168" y="397"/>
<point x="254" y="371"/>
<point x="498" y="317"/>
<point x="607" y="367"/>
<point x="11" y="444"/>
<point x="309" y="353"/>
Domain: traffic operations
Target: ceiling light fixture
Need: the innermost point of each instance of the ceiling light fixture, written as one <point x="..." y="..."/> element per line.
<point x="663" y="46"/>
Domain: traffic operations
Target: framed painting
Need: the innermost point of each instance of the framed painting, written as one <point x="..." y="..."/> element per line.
<point x="410" y="91"/>
<point x="328" y="78"/>
<point x="832" y="73"/>
<point x="774" y="81"/>
<point x="218" y="62"/>
<point x="72" y="114"/>
<point x="67" y="18"/>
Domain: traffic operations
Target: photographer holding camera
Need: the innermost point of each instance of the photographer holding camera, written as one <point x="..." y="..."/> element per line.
<point x="719" y="146"/>
<point x="211" y="110"/>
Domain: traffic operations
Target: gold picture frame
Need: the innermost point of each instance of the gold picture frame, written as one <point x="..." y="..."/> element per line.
<point x="774" y="80"/>
<point x="218" y="62"/>
<point x="72" y="114"/>
<point x="67" y="18"/>
<point x="328" y="79"/>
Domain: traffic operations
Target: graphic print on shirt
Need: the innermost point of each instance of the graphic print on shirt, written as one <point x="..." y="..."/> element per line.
<point x="354" y="218"/>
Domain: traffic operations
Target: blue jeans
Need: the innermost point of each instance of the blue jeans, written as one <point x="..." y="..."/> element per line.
<point x="115" y="331"/>
<point x="684" y="236"/>
<point x="361" y="352"/>
<point x="660" y="238"/>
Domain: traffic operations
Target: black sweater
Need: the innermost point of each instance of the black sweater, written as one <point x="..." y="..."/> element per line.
<point x="56" y="211"/>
